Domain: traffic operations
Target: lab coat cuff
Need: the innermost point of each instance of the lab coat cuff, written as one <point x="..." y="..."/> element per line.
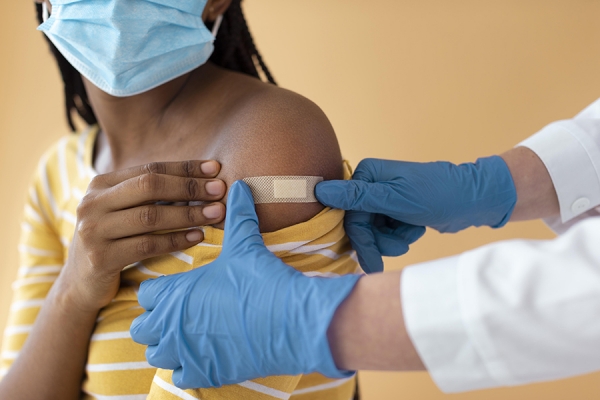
<point x="434" y="321"/>
<point x="571" y="157"/>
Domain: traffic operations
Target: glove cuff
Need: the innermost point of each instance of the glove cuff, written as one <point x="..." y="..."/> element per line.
<point x="499" y="196"/>
<point x="488" y="195"/>
<point x="322" y="297"/>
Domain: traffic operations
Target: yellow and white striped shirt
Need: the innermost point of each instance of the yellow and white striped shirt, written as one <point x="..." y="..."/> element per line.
<point x="116" y="366"/>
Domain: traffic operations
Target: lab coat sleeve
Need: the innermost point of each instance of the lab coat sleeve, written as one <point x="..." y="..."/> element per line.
<point x="570" y="150"/>
<point x="509" y="313"/>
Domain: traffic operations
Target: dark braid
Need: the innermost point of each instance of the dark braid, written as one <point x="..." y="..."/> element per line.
<point x="75" y="95"/>
<point x="234" y="50"/>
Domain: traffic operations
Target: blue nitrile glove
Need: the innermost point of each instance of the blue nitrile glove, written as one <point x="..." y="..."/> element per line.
<point x="245" y="315"/>
<point x="391" y="202"/>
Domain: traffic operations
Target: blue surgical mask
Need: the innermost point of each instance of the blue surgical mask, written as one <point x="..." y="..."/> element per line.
<point x="127" y="47"/>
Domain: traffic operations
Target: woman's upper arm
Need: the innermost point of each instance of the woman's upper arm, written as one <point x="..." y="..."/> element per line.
<point x="41" y="259"/>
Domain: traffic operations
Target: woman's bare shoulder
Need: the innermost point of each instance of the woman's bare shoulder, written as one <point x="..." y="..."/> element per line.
<point x="273" y="131"/>
<point x="285" y="133"/>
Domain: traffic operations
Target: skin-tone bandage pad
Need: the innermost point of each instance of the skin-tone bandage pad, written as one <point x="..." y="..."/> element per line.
<point x="283" y="189"/>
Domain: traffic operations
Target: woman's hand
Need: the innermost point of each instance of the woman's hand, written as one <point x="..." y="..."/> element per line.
<point x="118" y="220"/>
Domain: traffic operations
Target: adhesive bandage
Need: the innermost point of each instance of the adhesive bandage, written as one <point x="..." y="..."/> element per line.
<point x="283" y="189"/>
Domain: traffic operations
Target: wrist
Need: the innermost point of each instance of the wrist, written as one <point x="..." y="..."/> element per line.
<point x="65" y="310"/>
<point x="66" y="296"/>
<point x="368" y="331"/>
<point x="537" y="197"/>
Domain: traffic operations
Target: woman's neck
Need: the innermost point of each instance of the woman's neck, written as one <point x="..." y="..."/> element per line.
<point x="133" y="126"/>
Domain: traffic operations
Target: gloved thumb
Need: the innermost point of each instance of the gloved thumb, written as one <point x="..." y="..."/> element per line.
<point x="349" y="195"/>
<point x="184" y="380"/>
<point x="241" y="222"/>
<point x="152" y="290"/>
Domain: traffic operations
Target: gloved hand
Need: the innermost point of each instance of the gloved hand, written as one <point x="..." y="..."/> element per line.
<point x="391" y="202"/>
<point x="243" y="316"/>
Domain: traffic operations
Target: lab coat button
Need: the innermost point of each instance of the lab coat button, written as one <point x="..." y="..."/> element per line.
<point x="580" y="205"/>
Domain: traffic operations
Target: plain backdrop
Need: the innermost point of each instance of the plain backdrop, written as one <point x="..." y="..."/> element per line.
<point x="416" y="80"/>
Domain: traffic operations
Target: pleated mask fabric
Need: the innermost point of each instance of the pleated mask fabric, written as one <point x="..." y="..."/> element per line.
<point x="127" y="47"/>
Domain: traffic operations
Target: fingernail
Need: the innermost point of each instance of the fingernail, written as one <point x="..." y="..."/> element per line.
<point x="194" y="236"/>
<point x="213" y="211"/>
<point x="210" y="167"/>
<point x="215" y="188"/>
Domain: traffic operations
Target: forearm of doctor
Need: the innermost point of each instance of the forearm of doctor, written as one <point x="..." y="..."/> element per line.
<point x="368" y="331"/>
<point x="536" y="196"/>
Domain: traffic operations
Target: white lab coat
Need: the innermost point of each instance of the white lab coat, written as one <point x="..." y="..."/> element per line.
<point x="520" y="311"/>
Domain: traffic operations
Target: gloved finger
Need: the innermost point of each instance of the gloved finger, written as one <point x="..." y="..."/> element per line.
<point x="161" y="356"/>
<point x="151" y="291"/>
<point x="241" y="223"/>
<point x="378" y="198"/>
<point x="332" y="193"/>
<point x="412" y="233"/>
<point x="358" y="226"/>
<point x="178" y="378"/>
<point x="390" y="245"/>
<point x="394" y="237"/>
<point x="184" y="380"/>
<point x="376" y="170"/>
<point x="144" y="331"/>
<point x="389" y="226"/>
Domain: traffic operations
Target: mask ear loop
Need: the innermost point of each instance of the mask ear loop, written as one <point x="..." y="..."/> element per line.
<point x="217" y="25"/>
<point x="45" y="13"/>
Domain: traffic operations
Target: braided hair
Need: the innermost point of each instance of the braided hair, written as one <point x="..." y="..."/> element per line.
<point x="234" y="50"/>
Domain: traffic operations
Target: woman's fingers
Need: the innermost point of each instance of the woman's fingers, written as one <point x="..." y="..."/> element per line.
<point x="158" y="181"/>
<point x="117" y="215"/>
<point x="150" y="188"/>
<point x="189" y="169"/>
<point x="152" y="218"/>
<point x="130" y="250"/>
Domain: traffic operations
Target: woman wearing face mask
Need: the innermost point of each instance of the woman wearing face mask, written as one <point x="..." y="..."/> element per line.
<point x="145" y="77"/>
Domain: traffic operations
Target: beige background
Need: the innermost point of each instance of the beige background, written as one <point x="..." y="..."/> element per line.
<point x="415" y="80"/>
